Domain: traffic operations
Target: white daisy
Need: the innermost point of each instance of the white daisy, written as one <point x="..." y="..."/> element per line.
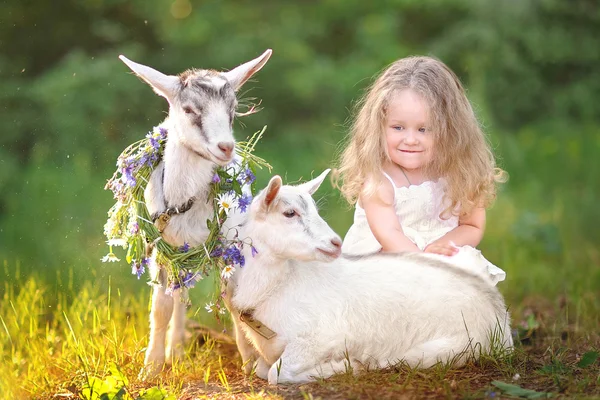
<point x="210" y="307"/>
<point x="117" y="242"/>
<point x="110" y="257"/>
<point x="226" y="202"/>
<point x="227" y="272"/>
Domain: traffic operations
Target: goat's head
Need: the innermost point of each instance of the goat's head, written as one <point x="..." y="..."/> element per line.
<point x="285" y="222"/>
<point x="202" y="105"/>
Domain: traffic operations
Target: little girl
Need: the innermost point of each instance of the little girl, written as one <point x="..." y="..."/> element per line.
<point x="419" y="168"/>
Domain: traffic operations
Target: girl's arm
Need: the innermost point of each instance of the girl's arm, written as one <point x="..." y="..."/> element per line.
<point x="383" y="220"/>
<point x="468" y="232"/>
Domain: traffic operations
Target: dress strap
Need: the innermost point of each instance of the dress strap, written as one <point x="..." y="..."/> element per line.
<point x="391" y="181"/>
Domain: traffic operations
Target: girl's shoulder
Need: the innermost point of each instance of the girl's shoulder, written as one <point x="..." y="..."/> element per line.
<point x="376" y="190"/>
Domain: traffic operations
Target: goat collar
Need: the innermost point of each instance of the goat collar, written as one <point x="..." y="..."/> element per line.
<point x="161" y="219"/>
<point x="247" y="317"/>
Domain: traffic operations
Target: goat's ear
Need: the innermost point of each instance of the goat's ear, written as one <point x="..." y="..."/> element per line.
<point x="164" y="85"/>
<point x="240" y="74"/>
<point x="271" y="192"/>
<point x="312" y="186"/>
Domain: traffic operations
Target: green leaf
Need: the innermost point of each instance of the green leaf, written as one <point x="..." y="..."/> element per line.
<point x="518" y="391"/>
<point x="155" y="393"/>
<point x="118" y="374"/>
<point x="237" y="187"/>
<point x="93" y="389"/>
<point x="129" y="256"/>
<point x="556" y="367"/>
<point x="588" y="359"/>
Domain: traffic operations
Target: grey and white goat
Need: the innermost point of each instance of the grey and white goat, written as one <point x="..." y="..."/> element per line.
<point x="202" y="106"/>
<point x="301" y="311"/>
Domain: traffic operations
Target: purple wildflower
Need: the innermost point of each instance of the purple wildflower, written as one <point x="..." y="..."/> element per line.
<point x="185" y="247"/>
<point x="155" y="139"/>
<point x="154" y="142"/>
<point x="244" y="201"/>
<point x="234" y="256"/>
<point x="128" y="180"/>
<point x="138" y="268"/>
<point x="190" y="278"/>
<point x="148" y="159"/>
<point x="127" y="170"/>
<point x="217" y="252"/>
<point x="134" y="228"/>
<point x="246" y="177"/>
<point x="254" y="251"/>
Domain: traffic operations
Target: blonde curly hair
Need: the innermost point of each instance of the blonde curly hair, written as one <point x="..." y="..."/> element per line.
<point x="462" y="154"/>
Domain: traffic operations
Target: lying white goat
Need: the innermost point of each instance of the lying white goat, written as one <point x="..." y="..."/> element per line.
<point x="372" y="311"/>
<point x="202" y="105"/>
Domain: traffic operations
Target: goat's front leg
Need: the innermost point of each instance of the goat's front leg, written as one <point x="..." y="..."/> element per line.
<point x="245" y="348"/>
<point x="176" y="334"/>
<point x="160" y="314"/>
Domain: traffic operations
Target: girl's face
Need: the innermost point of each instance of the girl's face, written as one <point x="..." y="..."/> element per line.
<point x="409" y="140"/>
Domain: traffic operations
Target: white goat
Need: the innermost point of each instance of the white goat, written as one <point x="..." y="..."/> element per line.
<point x="330" y="313"/>
<point x="202" y="106"/>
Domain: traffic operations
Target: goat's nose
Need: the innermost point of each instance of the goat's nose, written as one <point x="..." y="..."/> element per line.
<point x="337" y="242"/>
<point x="226" y="148"/>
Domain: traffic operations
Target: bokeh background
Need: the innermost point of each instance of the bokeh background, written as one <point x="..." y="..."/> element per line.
<point x="68" y="107"/>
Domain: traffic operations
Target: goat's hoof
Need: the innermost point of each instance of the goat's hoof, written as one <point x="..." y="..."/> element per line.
<point x="248" y="367"/>
<point x="174" y="355"/>
<point x="150" y="371"/>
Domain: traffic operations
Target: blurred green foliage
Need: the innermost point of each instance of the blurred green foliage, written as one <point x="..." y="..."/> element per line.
<point x="68" y="106"/>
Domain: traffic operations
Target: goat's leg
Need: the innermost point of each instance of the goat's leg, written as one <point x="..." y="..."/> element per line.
<point x="245" y="348"/>
<point x="283" y="371"/>
<point x="176" y="333"/>
<point x="298" y="364"/>
<point x="160" y="314"/>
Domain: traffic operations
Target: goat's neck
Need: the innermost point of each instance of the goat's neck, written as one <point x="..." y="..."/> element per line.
<point x="187" y="174"/>
<point x="261" y="275"/>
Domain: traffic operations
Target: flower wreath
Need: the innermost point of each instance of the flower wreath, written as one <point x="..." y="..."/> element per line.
<point x="129" y="224"/>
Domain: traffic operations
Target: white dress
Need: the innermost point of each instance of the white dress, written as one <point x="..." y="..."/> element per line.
<point x="418" y="208"/>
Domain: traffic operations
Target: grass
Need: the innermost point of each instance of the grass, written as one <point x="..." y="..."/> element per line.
<point x="54" y="345"/>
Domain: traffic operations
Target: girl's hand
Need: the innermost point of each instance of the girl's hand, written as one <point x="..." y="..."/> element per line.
<point x="446" y="248"/>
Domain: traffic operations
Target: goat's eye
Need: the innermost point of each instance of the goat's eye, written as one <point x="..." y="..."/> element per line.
<point x="188" y="110"/>
<point x="290" y="213"/>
